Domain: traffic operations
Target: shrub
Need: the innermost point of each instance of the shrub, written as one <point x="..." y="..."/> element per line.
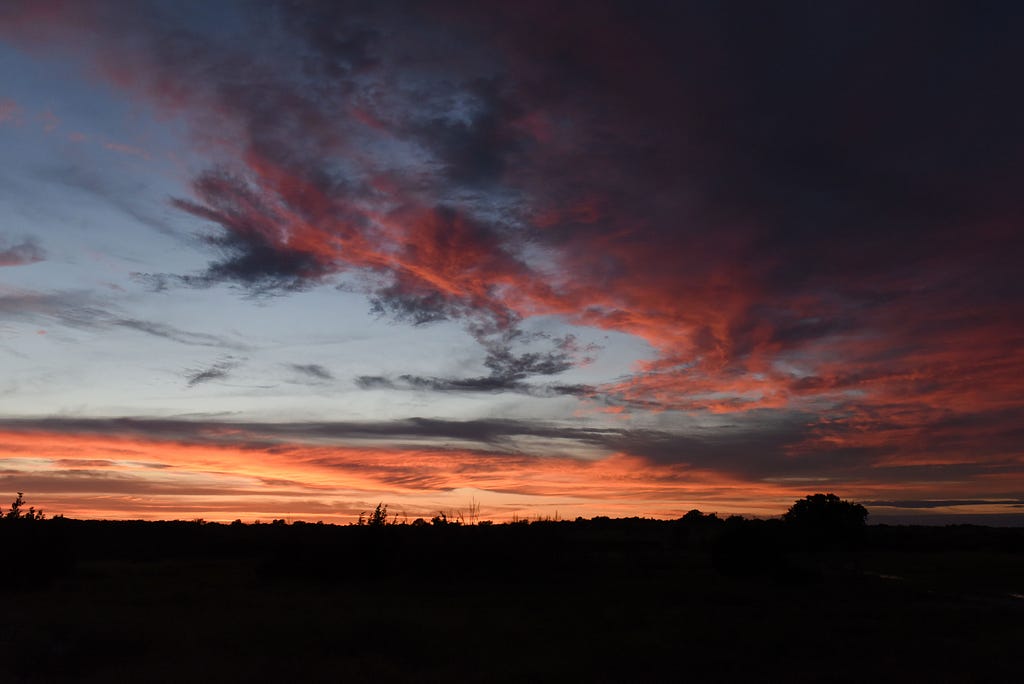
<point x="16" y="512"/>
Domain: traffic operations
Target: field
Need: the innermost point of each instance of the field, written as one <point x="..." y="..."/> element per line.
<point x="615" y="601"/>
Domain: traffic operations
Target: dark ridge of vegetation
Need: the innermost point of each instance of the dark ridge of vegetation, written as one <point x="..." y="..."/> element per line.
<point x="389" y="548"/>
<point x="631" y="599"/>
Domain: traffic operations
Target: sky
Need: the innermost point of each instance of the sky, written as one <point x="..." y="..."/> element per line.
<point x="291" y="259"/>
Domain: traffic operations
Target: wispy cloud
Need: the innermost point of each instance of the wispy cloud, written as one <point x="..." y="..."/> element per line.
<point x="485" y="384"/>
<point x="509" y="368"/>
<point x="82" y="309"/>
<point x="312" y="370"/>
<point x="177" y="335"/>
<point x="218" y="371"/>
<point x="28" y="251"/>
<point x="125" y="195"/>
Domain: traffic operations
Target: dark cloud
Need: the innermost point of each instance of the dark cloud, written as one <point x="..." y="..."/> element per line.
<point x="758" y="452"/>
<point x="509" y="369"/>
<point x="813" y="135"/>
<point x="28" y="251"/>
<point x="416" y="382"/>
<point x="311" y="370"/>
<point x="218" y="371"/>
<point x="418" y="309"/>
<point x="484" y="432"/>
<point x="484" y="384"/>
<point x="254" y="255"/>
<point x="473" y="138"/>
<point x="750" y="452"/>
<point x="506" y="364"/>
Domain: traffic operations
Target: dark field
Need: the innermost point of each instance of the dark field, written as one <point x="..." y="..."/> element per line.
<point x="603" y="600"/>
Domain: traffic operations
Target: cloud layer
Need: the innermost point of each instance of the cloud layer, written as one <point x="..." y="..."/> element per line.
<point x="335" y="470"/>
<point x="810" y="214"/>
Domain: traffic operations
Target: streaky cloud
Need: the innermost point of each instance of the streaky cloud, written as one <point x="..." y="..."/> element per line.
<point x="483" y="384"/>
<point x="312" y="370"/>
<point x="185" y="337"/>
<point x="218" y="371"/>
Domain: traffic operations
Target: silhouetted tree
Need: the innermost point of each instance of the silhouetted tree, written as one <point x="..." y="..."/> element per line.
<point x="824" y="518"/>
<point x="379" y="517"/>
<point x="16" y="512"/>
<point x="692" y="516"/>
<point x="443" y="518"/>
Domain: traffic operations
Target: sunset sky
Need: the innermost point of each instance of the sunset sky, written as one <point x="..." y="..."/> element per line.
<point x="291" y="259"/>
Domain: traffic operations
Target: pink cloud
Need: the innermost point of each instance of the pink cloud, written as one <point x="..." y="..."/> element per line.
<point x="9" y="111"/>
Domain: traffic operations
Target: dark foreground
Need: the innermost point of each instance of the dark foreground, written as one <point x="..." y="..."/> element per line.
<point x="603" y="600"/>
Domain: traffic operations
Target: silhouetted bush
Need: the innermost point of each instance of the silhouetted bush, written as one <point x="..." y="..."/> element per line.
<point x="695" y="531"/>
<point x="34" y="550"/>
<point x="17" y="511"/>
<point x="379" y="517"/>
<point x="821" y="520"/>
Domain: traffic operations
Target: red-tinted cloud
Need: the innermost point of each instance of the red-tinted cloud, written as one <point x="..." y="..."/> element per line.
<point x="27" y="251"/>
<point x="810" y="214"/>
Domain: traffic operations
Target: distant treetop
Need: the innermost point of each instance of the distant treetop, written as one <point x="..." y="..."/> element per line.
<point x="827" y="516"/>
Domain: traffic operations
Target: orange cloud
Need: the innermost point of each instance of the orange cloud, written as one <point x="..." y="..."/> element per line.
<point x="88" y="475"/>
<point x="243" y="476"/>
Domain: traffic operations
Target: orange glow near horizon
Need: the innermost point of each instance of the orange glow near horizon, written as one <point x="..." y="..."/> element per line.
<point x="119" y="477"/>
